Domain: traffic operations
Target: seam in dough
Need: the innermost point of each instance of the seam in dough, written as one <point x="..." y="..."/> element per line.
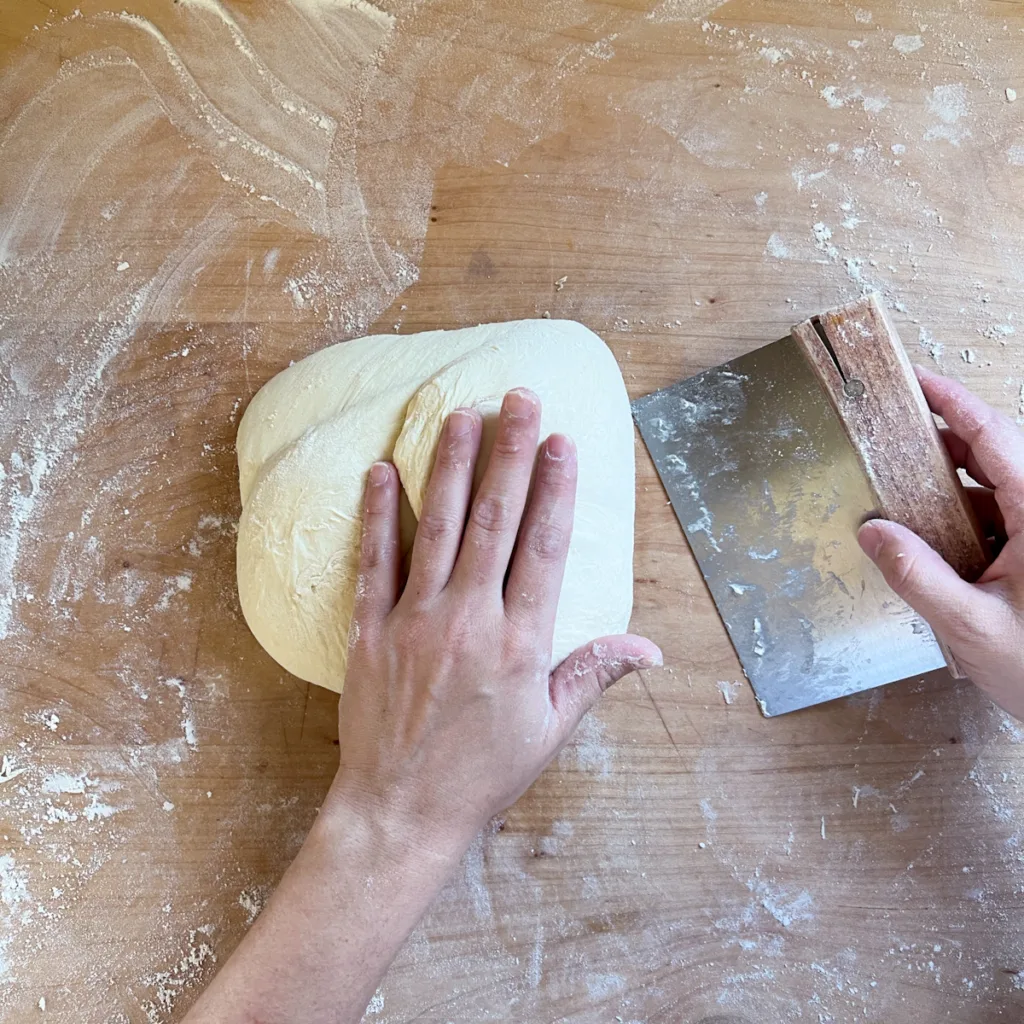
<point x="312" y="432"/>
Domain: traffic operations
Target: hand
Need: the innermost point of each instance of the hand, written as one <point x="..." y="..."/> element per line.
<point x="450" y="710"/>
<point x="982" y="623"/>
<point x="449" y="713"/>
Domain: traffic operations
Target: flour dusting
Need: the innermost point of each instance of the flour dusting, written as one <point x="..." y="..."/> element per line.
<point x="908" y="44"/>
<point x="195" y="194"/>
<point x="950" y="105"/>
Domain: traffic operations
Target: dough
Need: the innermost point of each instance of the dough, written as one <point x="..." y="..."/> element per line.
<point x="309" y="436"/>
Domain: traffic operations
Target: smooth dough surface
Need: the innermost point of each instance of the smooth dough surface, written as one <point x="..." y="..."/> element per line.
<point x="309" y="437"/>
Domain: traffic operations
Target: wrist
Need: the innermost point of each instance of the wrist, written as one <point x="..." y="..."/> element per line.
<point x="398" y="829"/>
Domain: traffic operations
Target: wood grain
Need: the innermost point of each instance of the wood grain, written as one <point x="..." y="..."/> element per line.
<point x="702" y="175"/>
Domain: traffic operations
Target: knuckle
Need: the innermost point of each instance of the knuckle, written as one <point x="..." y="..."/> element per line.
<point x="372" y="555"/>
<point x="436" y="526"/>
<point x="986" y="426"/>
<point x="453" y="455"/>
<point x="508" y="445"/>
<point x="606" y="676"/>
<point x="901" y="570"/>
<point x="376" y="551"/>
<point x="547" y="542"/>
<point x="357" y="634"/>
<point x="492" y="514"/>
<point x="996" y="424"/>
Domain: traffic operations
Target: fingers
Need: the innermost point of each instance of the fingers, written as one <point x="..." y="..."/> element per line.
<point x="990" y="516"/>
<point x="956" y="610"/>
<point x="535" y="582"/>
<point x="439" y="531"/>
<point x="993" y="439"/>
<point x="580" y="680"/>
<point x="963" y="457"/>
<point x="496" y="513"/>
<point x="380" y="554"/>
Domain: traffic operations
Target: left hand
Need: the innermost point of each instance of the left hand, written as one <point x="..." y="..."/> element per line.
<point x="449" y="713"/>
<point x="450" y="710"/>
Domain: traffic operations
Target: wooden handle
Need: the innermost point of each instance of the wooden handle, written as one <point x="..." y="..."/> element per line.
<point x="857" y="356"/>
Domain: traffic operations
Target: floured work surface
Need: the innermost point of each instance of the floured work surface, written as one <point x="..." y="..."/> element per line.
<point x="668" y="173"/>
<point x="770" y="493"/>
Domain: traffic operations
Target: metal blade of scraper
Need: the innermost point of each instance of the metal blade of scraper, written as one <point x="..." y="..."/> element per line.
<point x="770" y="492"/>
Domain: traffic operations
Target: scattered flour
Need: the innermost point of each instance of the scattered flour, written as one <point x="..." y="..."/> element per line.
<point x="475" y="881"/>
<point x="13" y="893"/>
<point x="729" y="690"/>
<point x="773" y="54"/>
<point x="929" y="344"/>
<point x="61" y="782"/>
<point x="188" y="723"/>
<point x="837" y="98"/>
<point x="349" y="216"/>
<point x="604" y="986"/>
<point x="682" y="10"/>
<point x="908" y="44"/>
<point x="189" y="973"/>
<point x="785" y="906"/>
<point x="950" y="105"/>
<point x="13" y="882"/>
<point x="588" y="750"/>
<point x="8" y="771"/>
<point x="179" y="584"/>
<point x="252" y="901"/>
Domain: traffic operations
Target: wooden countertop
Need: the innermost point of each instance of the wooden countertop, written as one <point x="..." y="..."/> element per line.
<point x="193" y="194"/>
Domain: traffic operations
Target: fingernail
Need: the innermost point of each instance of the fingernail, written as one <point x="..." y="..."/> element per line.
<point x="520" y="404"/>
<point x="559" y="448"/>
<point x="460" y="423"/>
<point x="649" y="660"/>
<point x="871" y="539"/>
<point x="379" y="473"/>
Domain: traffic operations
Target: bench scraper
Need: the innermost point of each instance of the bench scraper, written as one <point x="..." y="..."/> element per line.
<point x="772" y="462"/>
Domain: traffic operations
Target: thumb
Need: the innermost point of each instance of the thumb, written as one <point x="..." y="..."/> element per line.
<point x="578" y="682"/>
<point x="923" y="578"/>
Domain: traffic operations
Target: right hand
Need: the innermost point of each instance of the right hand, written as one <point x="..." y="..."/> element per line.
<point x="982" y="623"/>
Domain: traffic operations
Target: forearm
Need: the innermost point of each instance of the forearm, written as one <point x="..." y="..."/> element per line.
<point x="342" y="911"/>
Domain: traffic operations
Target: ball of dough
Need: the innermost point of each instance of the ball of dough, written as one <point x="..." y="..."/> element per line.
<point x="309" y="437"/>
